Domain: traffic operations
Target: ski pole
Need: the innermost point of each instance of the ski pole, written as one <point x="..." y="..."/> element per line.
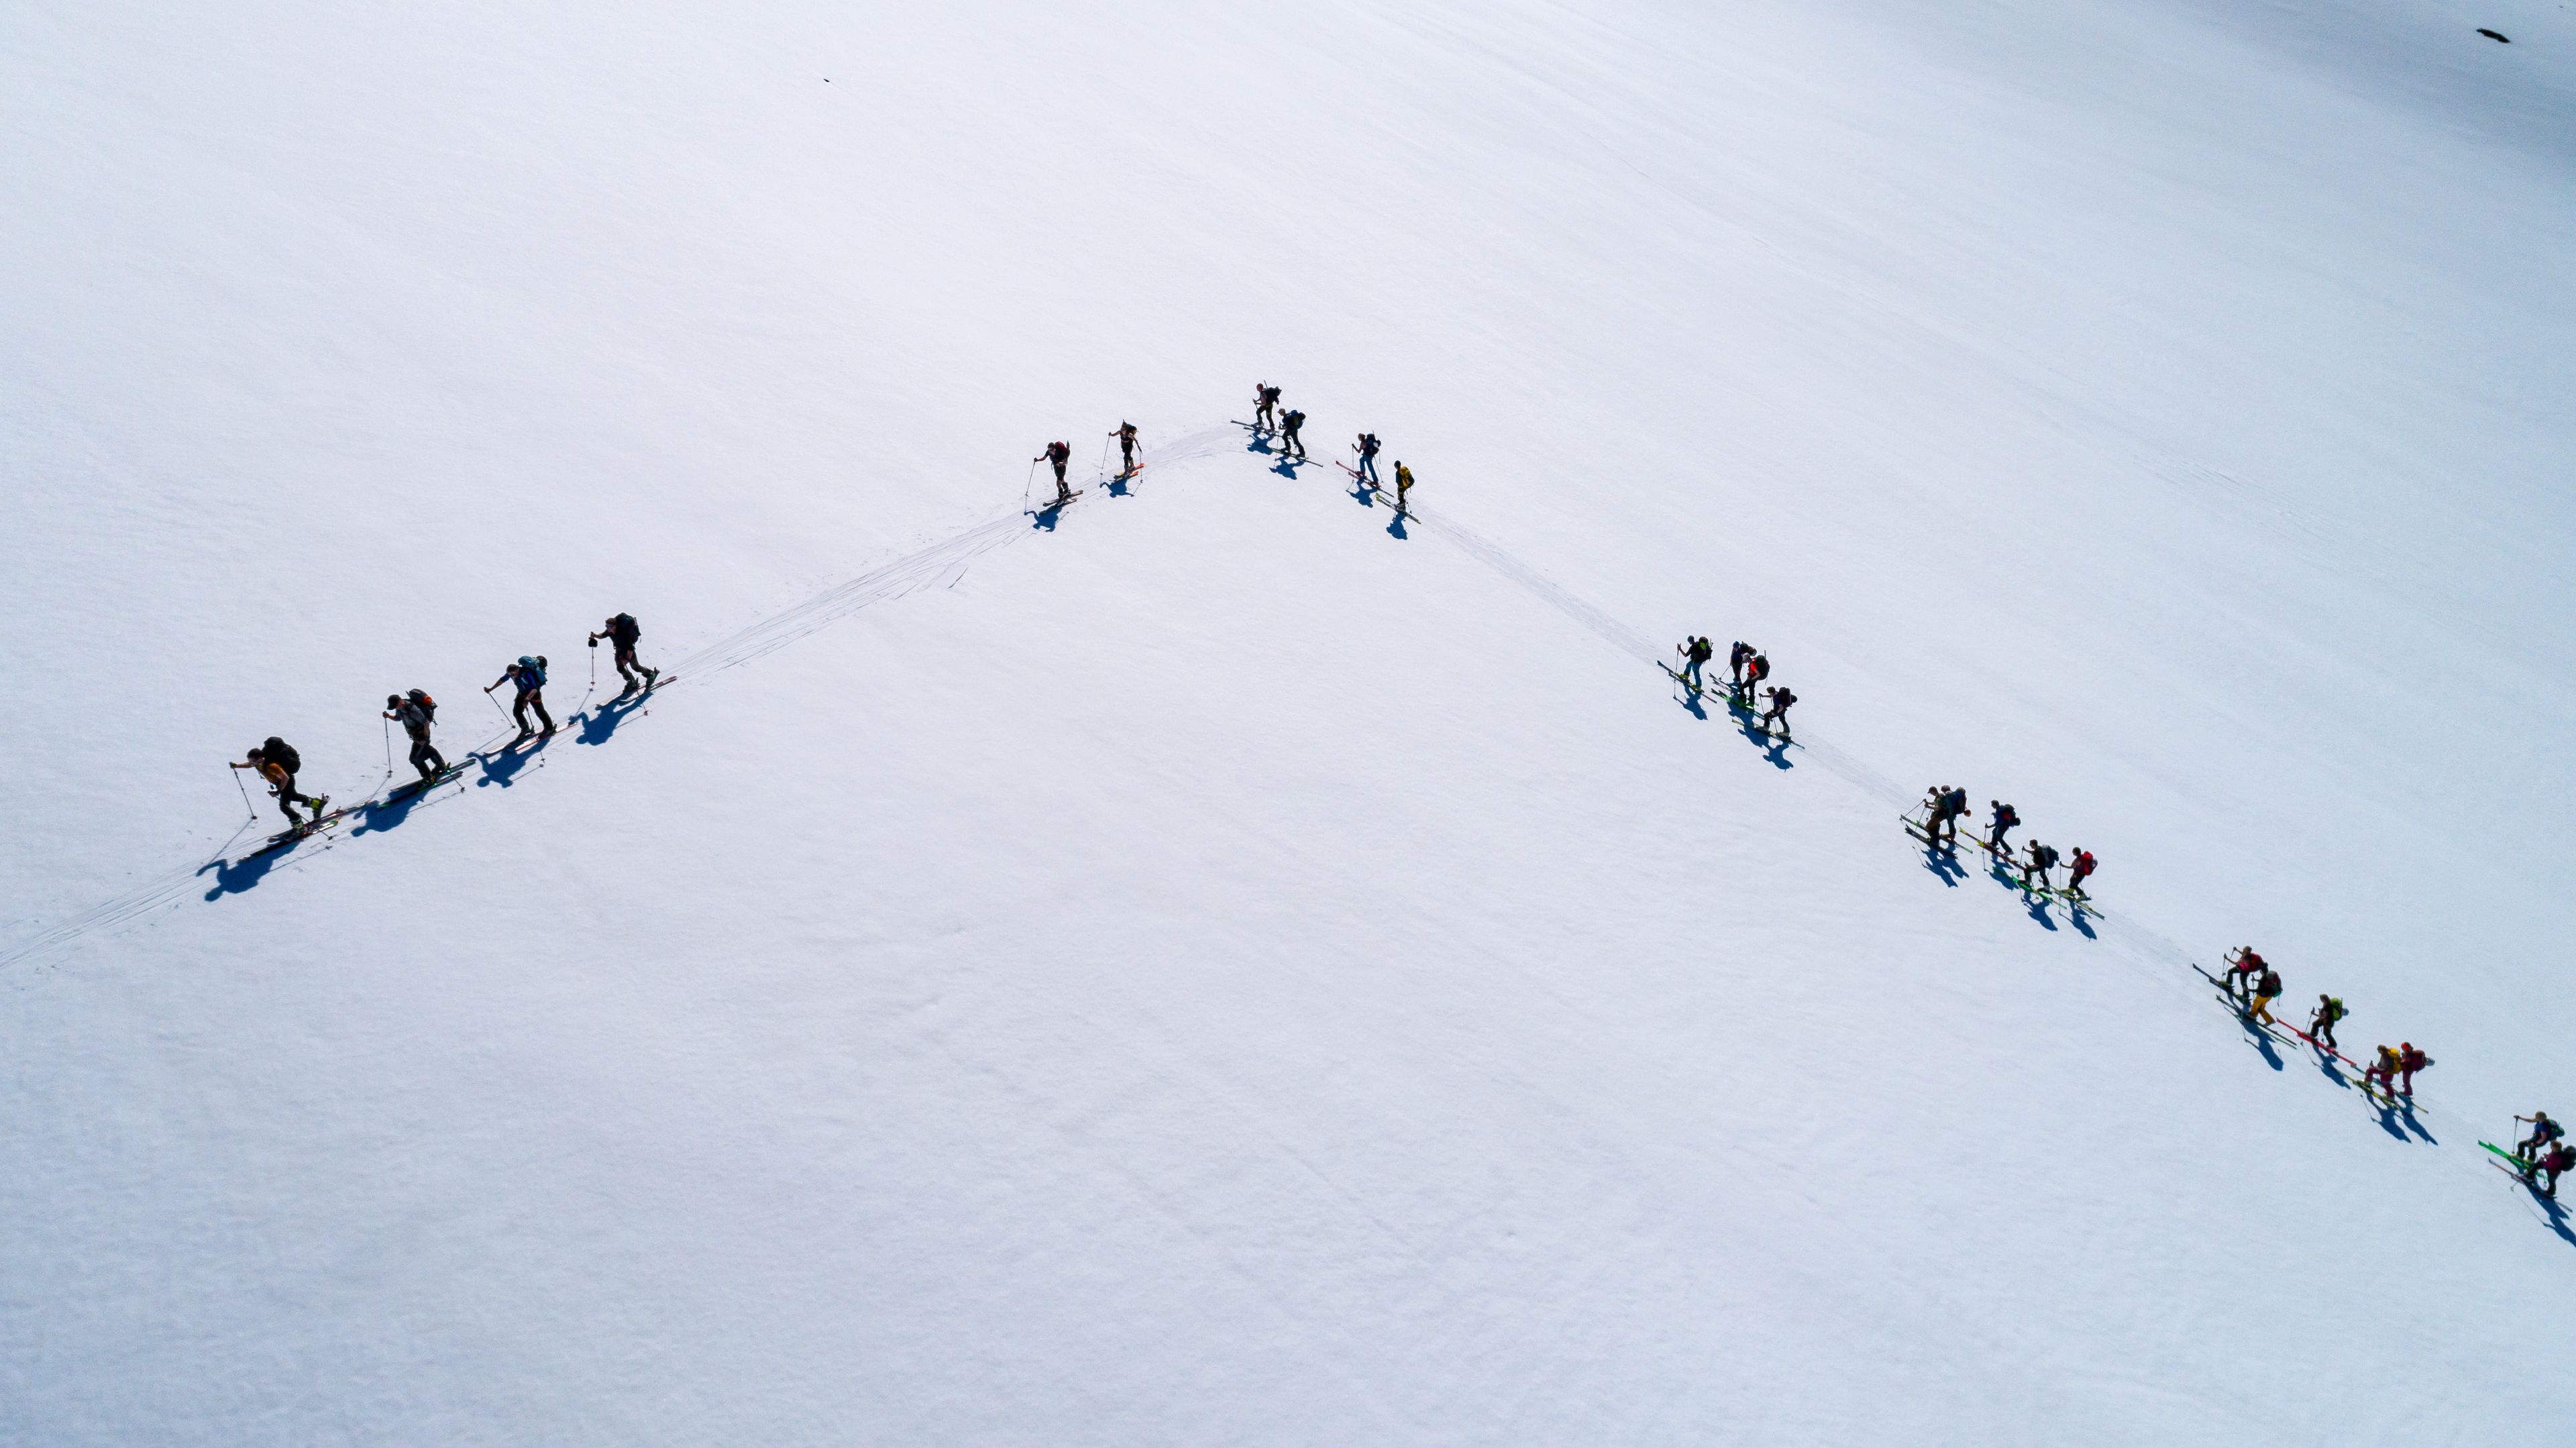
<point x="1026" y="487"/>
<point x="389" y="749"/>
<point x="245" y="794"/>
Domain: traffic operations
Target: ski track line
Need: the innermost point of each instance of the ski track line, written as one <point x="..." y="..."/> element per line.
<point x="938" y="565"/>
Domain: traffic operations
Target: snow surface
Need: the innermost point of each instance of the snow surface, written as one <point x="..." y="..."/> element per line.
<point x="1221" y="965"/>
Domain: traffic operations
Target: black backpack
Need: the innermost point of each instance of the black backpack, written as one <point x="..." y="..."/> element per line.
<point x="282" y="754"/>
<point x="624" y="631"/>
<point x="2047" y="856"/>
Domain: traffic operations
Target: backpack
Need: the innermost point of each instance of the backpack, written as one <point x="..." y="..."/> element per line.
<point x="2007" y="816"/>
<point x="624" y="631"/>
<point x="532" y="669"/>
<point x="2334" y="1008"/>
<point x="282" y="754"/>
<point x="428" y="706"/>
<point x="2047" y="856"/>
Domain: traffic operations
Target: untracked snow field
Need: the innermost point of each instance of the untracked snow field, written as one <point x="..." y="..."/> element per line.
<point x="1221" y="963"/>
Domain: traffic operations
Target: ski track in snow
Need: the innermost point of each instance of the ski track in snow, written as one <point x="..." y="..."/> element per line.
<point x="942" y="565"/>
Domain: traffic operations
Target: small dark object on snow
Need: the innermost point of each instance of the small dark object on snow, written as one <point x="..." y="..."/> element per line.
<point x="2491" y="35"/>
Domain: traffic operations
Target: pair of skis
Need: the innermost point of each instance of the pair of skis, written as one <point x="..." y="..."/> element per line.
<point x="2522" y="1169"/>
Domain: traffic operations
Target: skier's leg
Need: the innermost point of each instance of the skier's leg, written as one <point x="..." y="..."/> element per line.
<point x="538" y="701"/>
<point x="519" y="711"/>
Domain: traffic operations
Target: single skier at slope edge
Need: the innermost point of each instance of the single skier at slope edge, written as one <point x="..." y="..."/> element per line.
<point x="1735" y="661"/>
<point x="1265" y="404"/>
<point x="2383" y="1070"/>
<point x="529" y="674"/>
<point x="1288" y="440"/>
<point x="2410" y="1059"/>
<point x="2242" y="970"/>
<point x="622" y="633"/>
<point x="1756" y="669"/>
<point x="1058" y="454"/>
<point x="1403" y="485"/>
<point x="415" y="712"/>
<point x="1366" y="447"/>
<point x="1126" y="435"/>
<point x="277" y="762"/>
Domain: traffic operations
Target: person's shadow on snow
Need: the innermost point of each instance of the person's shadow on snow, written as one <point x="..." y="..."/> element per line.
<point x="1943" y="865"/>
<point x="232" y="877"/>
<point x="1288" y="465"/>
<point x="2075" y="916"/>
<point x="2262" y="1040"/>
<point x="502" y="767"/>
<point x="389" y="813"/>
<point x="1395" y="530"/>
<point x="600" y="723"/>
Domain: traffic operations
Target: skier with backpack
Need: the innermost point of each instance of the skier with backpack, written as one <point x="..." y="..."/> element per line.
<point x="1058" y="453"/>
<point x="2410" y="1059"/>
<point x="2079" y="870"/>
<point x="1288" y="440"/>
<point x="1778" y="713"/>
<point x="2243" y="969"/>
<point x="1366" y="447"/>
<point x="1695" y="651"/>
<point x="622" y="633"/>
<point x="1735" y="661"/>
<point x="1265" y="402"/>
<point x="2005" y="817"/>
<point x="2543" y="1132"/>
<point x="278" y="763"/>
<point x="529" y="674"/>
<point x="1403" y="485"/>
<point x="1944" y="804"/>
<point x="2383" y="1070"/>
<point x="2551" y="1164"/>
<point x="2321" y="1022"/>
<point x="2266" y="991"/>
<point x="2043" y="858"/>
<point x="1756" y="669"/>
<point x="1126" y="435"/>
<point x="414" y="712"/>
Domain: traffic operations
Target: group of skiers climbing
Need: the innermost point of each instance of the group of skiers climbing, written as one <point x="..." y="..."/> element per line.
<point x="1059" y="453"/>
<point x="1747" y="669"/>
<point x="2542" y="1157"/>
<point x="1288" y="425"/>
<point x="1944" y="805"/>
<point x="277" y="763"/>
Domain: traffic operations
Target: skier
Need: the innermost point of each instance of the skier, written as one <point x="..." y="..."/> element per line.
<point x="2078" y="870"/>
<point x="1403" y="485"/>
<point x="2409" y="1061"/>
<point x="1288" y="439"/>
<point x="2543" y="1132"/>
<point x="2042" y="859"/>
<point x="2005" y="818"/>
<point x="1265" y="398"/>
<point x="414" y="713"/>
<point x="1735" y="658"/>
<point x="1943" y="805"/>
<point x="1756" y="669"/>
<point x="1367" y="448"/>
<point x="1778" y="713"/>
<point x="529" y="673"/>
<point x="1126" y="435"/>
<point x="1059" y="454"/>
<point x="2383" y="1069"/>
<point x="2321" y="1022"/>
<point x="278" y="763"/>
<point x="2266" y="991"/>
<point x="1695" y="652"/>
<point x="2558" y="1159"/>
<point x="622" y="632"/>
<point x="2243" y="970"/>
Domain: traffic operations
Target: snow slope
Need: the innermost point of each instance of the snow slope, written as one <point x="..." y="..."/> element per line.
<point x="1223" y="967"/>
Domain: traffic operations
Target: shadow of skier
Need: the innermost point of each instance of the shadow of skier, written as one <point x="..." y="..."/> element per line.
<point x="232" y="877"/>
<point x="1943" y="865"/>
<point x="600" y="723"/>
<point x="504" y="766"/>
<point x="2263" y="1041"/>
